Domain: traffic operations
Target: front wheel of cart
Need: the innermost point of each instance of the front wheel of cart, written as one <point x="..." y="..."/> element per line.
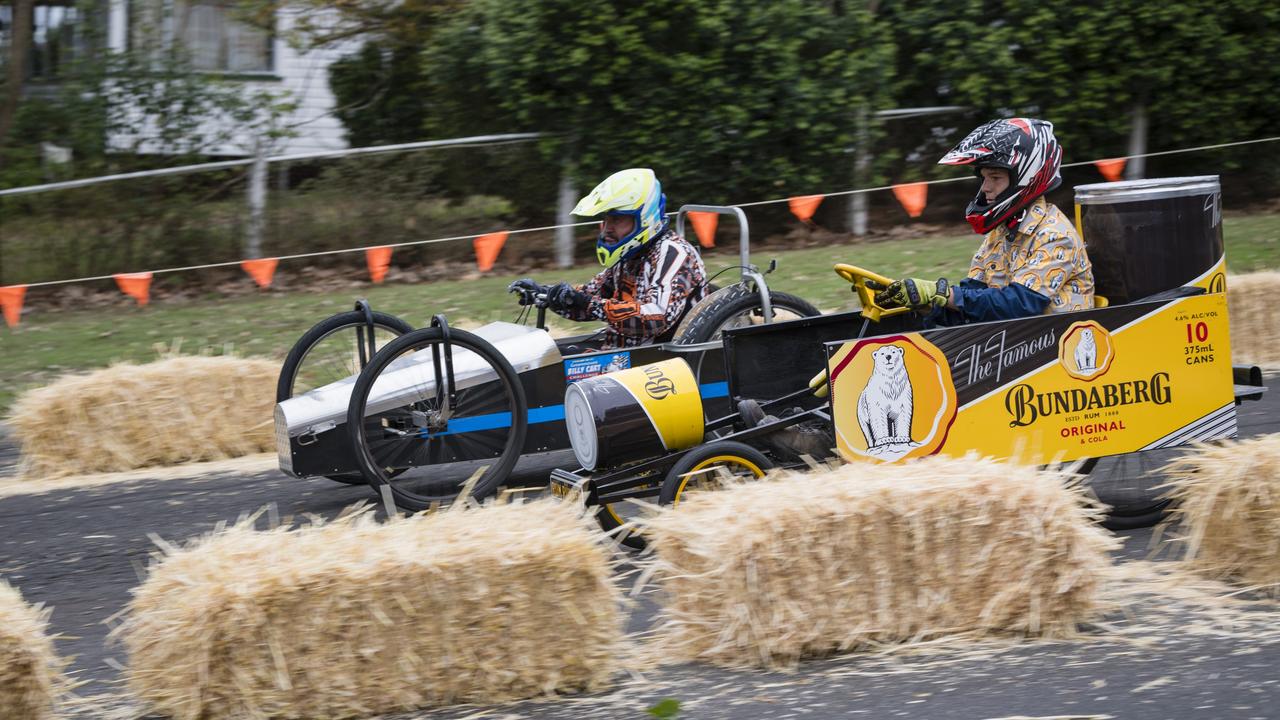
<point x="713" y="466"/>
<point x="423" y="439"/>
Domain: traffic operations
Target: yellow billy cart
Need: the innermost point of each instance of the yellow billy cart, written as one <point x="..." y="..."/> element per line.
<point x="1116" y="388"/>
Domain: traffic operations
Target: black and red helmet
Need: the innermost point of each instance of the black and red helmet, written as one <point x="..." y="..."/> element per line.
<point x="1023" y="146"/>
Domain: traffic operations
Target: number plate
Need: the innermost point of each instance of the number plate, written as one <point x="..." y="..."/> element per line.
<point x="566" y="484"/>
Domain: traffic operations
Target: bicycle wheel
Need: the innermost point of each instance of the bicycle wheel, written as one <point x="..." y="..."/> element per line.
<point x="410" y="436"/>
<point x="737" y="306"/>
<point x="329" y="352"/>
<point x="1128" y="485"/>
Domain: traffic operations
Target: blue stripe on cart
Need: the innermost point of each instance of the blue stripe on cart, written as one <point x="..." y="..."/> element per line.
<point x="550" y="413"/>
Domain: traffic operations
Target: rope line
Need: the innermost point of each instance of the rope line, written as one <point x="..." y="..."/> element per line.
<point x="545" y="228"/>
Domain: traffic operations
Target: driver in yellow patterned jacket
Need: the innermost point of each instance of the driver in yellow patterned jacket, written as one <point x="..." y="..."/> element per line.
<point x="652" y="275"/>
<point x="1031" y="261"/>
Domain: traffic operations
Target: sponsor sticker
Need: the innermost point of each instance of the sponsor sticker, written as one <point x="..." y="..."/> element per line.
<point x="576" y="369"/>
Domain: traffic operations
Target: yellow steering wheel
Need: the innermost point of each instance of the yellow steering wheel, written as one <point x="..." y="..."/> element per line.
<point x="858" y="277"/>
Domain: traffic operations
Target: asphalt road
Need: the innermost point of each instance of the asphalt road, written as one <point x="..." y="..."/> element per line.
<point x="81" y="551"/>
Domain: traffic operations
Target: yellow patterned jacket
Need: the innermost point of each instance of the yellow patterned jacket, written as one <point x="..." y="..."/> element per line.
<point x="1044" y="254"/>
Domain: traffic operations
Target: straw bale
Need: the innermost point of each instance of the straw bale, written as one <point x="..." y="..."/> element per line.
<point x="866" y="555"/>
<point x="1255" y="325"/>
<point x="1227" y="510"/>
<point x="355" y="618"/>
<point x="176" y="410"/>
<point x="30" y="673"/>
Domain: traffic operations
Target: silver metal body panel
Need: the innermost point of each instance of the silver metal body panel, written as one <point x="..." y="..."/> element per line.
<point x="413" y="376"/>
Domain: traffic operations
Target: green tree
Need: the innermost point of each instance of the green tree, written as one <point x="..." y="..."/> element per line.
<point x="726" y="101"/>
<point x="1201" y="71"/>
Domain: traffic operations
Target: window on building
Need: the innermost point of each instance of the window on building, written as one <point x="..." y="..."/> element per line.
<point x="58" y="37"/>
<point x="214" y="40"/>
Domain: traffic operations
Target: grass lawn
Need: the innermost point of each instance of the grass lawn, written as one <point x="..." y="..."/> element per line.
<point x="48" y="344"/>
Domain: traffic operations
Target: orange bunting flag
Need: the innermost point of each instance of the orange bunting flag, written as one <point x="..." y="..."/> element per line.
<point x="379" y="262"/>
<point x="1110" y="169"/>
<point x="11" y="303"/>
<point x="805" y="206"/>
<point x="135" y="285"/>
<point x="487" y="249"/>
<point x="913" y="196"/>
<point x="704" y="225"/>
<point x="261" y="270"/>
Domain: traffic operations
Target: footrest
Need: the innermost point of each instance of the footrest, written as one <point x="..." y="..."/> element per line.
<point x="1249" y="392"/>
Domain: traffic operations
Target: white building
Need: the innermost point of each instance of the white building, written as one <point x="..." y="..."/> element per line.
<point x="247" y="55"/>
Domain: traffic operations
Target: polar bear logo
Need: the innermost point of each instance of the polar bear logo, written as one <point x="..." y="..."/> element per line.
<point x="885" y="405"/>
<point x="1086" y="352"/>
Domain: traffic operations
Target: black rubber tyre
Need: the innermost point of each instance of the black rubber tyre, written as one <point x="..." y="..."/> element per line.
<point x="393" y="447"/>
<point x="743" y="461"/>
<point x="342" y="323"/>
<point x="610" y="519"/>
<point x="735" y="306"/>
<point x="328" y="364"/>
<point x="740" y="459"/>
<point x="1128" y="485"/>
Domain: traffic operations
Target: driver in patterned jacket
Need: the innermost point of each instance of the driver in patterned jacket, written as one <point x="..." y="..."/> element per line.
<point x="652" y="275"/>
<point x="1032" y="261"/>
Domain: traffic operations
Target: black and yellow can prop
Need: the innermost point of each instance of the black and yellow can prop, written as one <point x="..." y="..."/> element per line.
<point x="1148" y="236"/>
<point x="634" y="414"/>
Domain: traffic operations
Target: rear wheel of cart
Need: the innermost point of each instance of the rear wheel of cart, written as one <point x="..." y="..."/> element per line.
<point x="423" y="445"/>
<point x="1130" y="485"/>
<point x="712" y="467"/>
<point x="737" y="306"/>
<point x="331" y="351"/>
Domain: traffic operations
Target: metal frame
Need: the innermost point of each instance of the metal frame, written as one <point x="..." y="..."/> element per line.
<point x="750" y="273"/>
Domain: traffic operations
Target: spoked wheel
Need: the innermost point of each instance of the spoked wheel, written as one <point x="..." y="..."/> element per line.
<point x="330" y="351"/>
<point x="335" y="349"/>
<point x="423" y="438"/>
<point x="737" y="306"/>
<point x="1128" y="484"/>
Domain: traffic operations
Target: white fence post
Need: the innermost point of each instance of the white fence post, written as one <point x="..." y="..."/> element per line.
<point x="564" y="206"/>
<point x="1136" y="169"/>
<point x="257" y="201"/>
<point x="861" y="163"/>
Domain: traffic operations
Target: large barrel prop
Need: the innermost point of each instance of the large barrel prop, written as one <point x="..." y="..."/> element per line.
<point x="629" y="415"/>
<point x="1148" y="236"/>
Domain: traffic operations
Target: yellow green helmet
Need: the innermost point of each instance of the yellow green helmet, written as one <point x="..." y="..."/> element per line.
<point x="635" y="192"/>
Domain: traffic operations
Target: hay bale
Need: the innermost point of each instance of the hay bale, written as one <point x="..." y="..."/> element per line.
<point x="355" y="618"/>
<point x="1255" y="326"/>
<point x="1227" y="510"/>
<point x="30" y="672"/>
<point x="864" y="555"/>
<point x="176" y="410"/>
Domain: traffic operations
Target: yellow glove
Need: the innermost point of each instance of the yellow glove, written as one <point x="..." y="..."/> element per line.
<point x="914" y="293"/>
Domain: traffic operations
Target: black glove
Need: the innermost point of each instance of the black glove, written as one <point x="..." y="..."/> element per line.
<point x="528" y="290"/>
<point x="564" y="296"/>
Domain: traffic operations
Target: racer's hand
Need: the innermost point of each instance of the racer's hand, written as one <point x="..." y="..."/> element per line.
<point x="564" y="296"/>
<point x="914" y="293"/>
<point x="528" y="290"/>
